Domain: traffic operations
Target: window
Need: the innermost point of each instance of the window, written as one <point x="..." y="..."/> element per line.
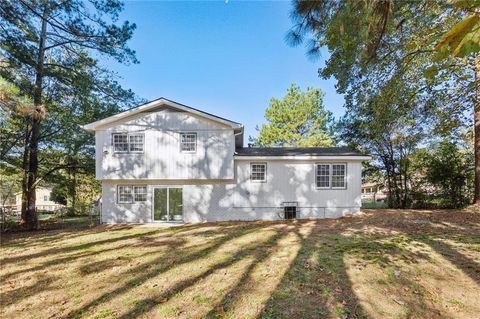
<point x="136" y="142"/>
<point x="258" y="172"/>
<point x="140" y="193"/>
<point x="45" y="198"/>
<point x="128" y="143"/>
<point x="332" y="176"/>
<point x="125" y="194"/>
<point x="338" y="175"/>
<point x="120" y="142"/>
<point x="188" y="142"/>
<point x="131" y="193"/>
<point x="323" y="175"/>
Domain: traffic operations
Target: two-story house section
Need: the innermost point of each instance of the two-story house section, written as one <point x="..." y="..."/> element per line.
<point x="164" y="161"/>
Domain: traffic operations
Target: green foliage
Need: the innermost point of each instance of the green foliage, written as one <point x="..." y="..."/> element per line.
<point x="450" y="169"/>
<point x="464" y="37"/>
<point x="59" y="194"/>
<point x="399" y="94"/>
<point x="49" y="55"/>
<point x="299" y="119"/>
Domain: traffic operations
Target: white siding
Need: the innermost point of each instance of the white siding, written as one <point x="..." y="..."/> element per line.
<point x="162" y="158"/>
<point x="243" y="200"/>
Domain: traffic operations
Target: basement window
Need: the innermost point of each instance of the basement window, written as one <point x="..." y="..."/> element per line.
<point x="290" y="210"/>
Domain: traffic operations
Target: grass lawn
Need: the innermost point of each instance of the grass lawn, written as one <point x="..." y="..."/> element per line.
<point x="384" y="264"/>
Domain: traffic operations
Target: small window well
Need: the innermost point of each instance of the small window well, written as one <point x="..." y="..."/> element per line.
<point x="290" y="210"/>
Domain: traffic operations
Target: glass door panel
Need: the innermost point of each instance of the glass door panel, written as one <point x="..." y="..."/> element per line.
<point x="167" y="204"/>
<point x="160" y="204"/>
<point x="175" y="204"/>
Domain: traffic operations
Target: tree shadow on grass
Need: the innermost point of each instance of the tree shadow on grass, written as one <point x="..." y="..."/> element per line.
<point x="316" y="285"/>
<point x="69" y="249"/>
<point x="258" y="251"/>
<point x="468" y="266"/>
<point x="160" y="265"/>
<point x="319" y="283"/>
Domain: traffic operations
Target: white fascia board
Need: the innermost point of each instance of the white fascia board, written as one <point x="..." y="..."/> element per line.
<point x="94" y="125"/>
<point x="303" y="158"/>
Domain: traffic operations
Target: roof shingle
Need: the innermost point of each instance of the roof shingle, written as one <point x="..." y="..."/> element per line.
<point x="294" y="151"/>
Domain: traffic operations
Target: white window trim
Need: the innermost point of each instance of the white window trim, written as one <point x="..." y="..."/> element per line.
<point x="133" y="201"/>
<point x="118" y="195"/>
<point x="251" y="171"/>
<point x="180" y="142"/>
<point x="128" y="143"/>
<point x="330" y="169"/>
<point x="135" y="187"/>
<point x="329" y="176"/>
<point x="143" y="142"/>
<point x="113" y="142"/>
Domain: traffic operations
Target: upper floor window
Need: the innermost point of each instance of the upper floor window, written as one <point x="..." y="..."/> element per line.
<point x="188" y="142"/>
<point x="131" y="194"/>
<point x="258" y="172"/>
<point x="331" y="175"/>
<point x="125" y="143"/>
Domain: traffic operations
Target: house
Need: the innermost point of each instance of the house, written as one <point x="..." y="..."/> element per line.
<point x="165" y="161"/>
<point x="43" y="200"/>
<point x="373" y="192"/>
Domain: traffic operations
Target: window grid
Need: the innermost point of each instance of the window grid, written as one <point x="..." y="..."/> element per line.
<point x="136" y="142"/>
<point x="128" y="143"/>
<point x="125" y="194"/>
<point x="331" y="176"/>
<point x="120" y="142"/>
<point x="128" y="194"/>
<point x="258" y="172"/>
<point x="338" y="175"/>
<point x="140" y="193"/>
<point x="323" y="175"/>
<point x="188" y="142"/>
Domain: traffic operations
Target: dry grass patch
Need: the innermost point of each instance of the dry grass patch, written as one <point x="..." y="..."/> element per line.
<point x="384" y="264"/>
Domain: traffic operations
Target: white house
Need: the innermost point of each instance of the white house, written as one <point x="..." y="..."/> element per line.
<point x="164" y="161"/>
<point x="43" y="201"/>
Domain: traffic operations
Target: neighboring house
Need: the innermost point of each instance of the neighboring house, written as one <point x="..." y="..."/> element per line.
<point x="164" y="161"/>
<point x="373" y="192"/>
<point x="43" y="200"/>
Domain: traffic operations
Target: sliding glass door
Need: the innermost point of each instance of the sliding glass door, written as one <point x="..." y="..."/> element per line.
<point x="167" y="204"/>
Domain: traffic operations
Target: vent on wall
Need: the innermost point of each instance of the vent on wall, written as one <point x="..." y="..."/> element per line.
<point x="290" y="210"/>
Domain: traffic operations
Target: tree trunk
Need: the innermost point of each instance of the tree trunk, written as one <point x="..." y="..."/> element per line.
<point x="476" y="139"/>
<point x="73" y="186"/>
<point x="30" y="213"/>
<point x="25" y="174"/>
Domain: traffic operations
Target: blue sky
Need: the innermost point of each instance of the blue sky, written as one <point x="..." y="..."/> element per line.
<point x="228" y="59"/>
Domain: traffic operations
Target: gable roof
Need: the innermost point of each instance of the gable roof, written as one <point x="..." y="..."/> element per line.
<point x="156" y="103"/>
<point x="296" y="151"/>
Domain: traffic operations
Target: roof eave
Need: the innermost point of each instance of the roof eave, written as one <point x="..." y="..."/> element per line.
<point x="91" y="127"/>
<point x="304" y="157"/>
